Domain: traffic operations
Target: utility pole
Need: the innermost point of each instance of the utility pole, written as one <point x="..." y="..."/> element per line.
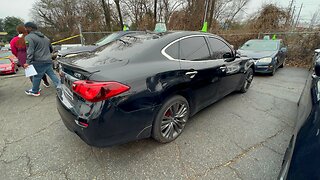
<point x="80" y="32"/>
<point x="205" y="13"/>
<point x="298" y="16"/>
<point x="289" y="16"/>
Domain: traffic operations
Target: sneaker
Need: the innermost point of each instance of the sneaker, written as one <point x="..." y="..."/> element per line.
<point x="46" y="84"/>
<point x="39" y="89"/>
<point x="30" y="93"/>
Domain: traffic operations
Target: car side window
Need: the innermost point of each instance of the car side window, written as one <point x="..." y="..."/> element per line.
<point x="219" y="48"/>
<point x="194" y="49"/>
<point x="173" y="50"/>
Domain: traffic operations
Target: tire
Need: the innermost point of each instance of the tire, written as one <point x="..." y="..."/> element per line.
<point x="247" y="82"/>
<point x="273" y="71"/>
<point x="171" y="119"/>
<point x="282" y="65"/>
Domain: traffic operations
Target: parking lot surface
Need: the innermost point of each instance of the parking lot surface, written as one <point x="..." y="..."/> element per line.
<point x="243" y="136"/>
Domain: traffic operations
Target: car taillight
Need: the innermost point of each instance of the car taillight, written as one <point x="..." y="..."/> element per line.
<point x="98" y="91"/>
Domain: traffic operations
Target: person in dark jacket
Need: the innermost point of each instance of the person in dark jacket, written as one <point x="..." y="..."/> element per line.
<point x="19" y="49"/>
<point x="39" y="51"/>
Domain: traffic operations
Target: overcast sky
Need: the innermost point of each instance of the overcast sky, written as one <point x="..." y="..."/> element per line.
<point x="21" y="8"/>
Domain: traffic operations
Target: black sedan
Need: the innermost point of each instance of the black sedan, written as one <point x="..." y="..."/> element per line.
<point x="302" y="157"/>
<point x="147" y="85"/>
<point x="268" y="54"/>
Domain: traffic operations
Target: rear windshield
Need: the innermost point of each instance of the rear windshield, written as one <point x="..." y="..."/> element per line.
<point x="260" y="45"/>
<point x="126" y="46"/>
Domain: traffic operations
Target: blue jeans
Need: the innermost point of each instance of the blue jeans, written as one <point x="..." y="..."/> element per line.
<point x="44" y="68"/>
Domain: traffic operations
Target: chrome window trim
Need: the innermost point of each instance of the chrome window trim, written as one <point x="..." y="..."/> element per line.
<point x="163" y="51"/>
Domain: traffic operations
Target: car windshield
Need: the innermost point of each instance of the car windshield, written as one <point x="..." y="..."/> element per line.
<point x="5" y="61"/>
<point x="106" y="39"/>
<point x="5" y="54"/>
<point x="260" y="45"/>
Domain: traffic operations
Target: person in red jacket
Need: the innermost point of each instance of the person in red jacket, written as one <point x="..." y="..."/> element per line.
<point x="19" y="49"/>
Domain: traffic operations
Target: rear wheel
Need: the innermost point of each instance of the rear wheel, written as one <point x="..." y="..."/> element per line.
<point x="171" y="119"/>
<point x="247" y="82"/>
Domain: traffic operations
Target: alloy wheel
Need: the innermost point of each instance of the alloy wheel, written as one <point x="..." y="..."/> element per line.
<point x="174" y="120"/>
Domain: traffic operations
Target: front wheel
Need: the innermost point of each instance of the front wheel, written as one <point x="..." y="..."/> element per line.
<point x="282" y="65"/>
<point x="273" y="71"/>
<point x="247" y="82"/>
<point x="171" y="119"/>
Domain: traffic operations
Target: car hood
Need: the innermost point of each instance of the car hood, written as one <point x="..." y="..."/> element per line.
<point x="257" y="54"/>
<point x="77" y="50"/>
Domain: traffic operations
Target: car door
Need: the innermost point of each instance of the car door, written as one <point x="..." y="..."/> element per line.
<point x="231" y="79"/>
<point x="202" y="73"/>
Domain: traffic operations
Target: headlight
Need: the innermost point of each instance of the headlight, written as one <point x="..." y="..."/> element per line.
<point x="265" y="60"/>
<point x="70" y="55"/>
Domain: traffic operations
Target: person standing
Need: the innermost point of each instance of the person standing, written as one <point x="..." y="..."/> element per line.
<point x="19" y="49"/>
<point x="39" y="51"/>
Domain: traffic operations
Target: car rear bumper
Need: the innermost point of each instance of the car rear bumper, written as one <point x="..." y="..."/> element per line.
<point x="110" y="128"/>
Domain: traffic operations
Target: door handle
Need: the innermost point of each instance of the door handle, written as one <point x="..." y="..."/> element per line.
<point x="191" y="74"/>
<point x="223" y="69"/>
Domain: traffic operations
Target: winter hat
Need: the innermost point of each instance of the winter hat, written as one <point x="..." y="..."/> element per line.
<point x="31" y="25"/>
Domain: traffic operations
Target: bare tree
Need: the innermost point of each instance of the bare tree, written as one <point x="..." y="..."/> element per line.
<point x="315" y="19"/>
<point x="155" y="12"/>
<point x="169" y="7"/>
<point x="106" y="11"/>
<point x="119" y="12"/>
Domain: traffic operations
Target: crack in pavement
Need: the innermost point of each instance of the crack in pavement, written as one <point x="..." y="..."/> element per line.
<point x="4" y="148"/>
<point x="238" y="145"/>
<point x="17" y="159"/>
<point x="34" y="134"/>
<point x="241" y="155"/>
<point x="236" y="172"/>
<point x="28" y="164"/>
<point x="62" y="170"/>
<point x="271" y="149"/>
<point x="180" y="160"/>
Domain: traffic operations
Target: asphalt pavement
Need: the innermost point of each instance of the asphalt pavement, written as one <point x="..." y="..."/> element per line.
<point x="243" y="136"/>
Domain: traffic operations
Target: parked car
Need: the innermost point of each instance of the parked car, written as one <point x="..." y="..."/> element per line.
<point x="74" y="50"/>
<point x="301" y="159"/>
<point x="7" y="63"/>
<point x="147" y="85"/>
<point x="6" y="53"/>
<point x="268" y="54"/>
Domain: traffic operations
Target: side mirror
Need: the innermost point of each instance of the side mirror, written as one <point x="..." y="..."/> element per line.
<point x="284" y="49"/>
<point x="317" y="68"/>
<point x="229" y="57"/>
